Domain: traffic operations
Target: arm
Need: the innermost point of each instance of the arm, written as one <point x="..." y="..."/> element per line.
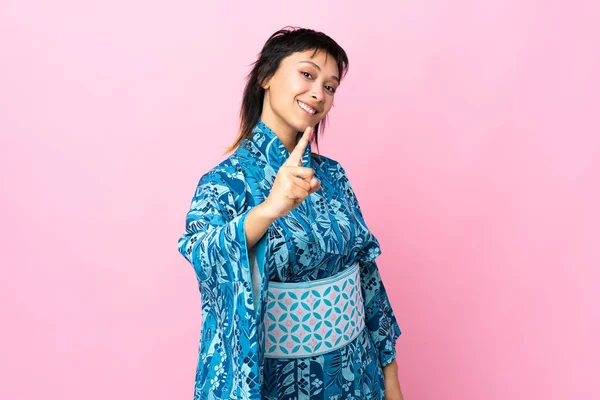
<point x="214" y="241"/>
<point x="393" y="391"/>
<point x="380" y="319"/>
<point x="379" y="316"/>
<point x="257" y="223"/>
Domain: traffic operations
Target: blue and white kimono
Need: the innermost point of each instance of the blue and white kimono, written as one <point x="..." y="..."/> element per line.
<point x="320" y="238"/>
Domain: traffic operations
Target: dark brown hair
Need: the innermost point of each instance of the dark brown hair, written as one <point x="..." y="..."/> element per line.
<point x="280" y="45"/>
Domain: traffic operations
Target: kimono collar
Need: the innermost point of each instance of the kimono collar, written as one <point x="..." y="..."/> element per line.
<point x="272" y="148"/>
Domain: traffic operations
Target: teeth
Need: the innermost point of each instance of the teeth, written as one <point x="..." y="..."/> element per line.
<point x="307" y="108"/>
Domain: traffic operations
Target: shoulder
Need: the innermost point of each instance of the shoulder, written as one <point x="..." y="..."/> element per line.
<point x="227" y="175"/>
<point x="331" y="167"/>
<point x="338" y="176"/>
<point x="327" y="164"/>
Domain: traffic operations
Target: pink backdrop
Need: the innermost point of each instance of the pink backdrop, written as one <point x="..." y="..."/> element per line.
<point x="470" y="132"/>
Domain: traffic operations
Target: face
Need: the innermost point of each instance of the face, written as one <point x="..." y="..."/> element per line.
<point x="301" y="92"/>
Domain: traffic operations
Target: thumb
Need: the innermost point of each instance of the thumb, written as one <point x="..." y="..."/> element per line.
<point x="314" y="185"/>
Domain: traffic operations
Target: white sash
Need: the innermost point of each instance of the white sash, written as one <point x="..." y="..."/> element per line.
<point x="311" y="318"/>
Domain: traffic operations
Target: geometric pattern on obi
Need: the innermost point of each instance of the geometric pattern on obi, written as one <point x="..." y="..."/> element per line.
<point x="310" y="318"/>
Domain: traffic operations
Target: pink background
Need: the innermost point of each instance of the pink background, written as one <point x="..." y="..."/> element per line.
<point x="470" y="132"/>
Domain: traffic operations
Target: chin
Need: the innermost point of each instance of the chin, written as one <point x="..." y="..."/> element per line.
<point x="305" y="122"/>
<point x="299" y="125"/>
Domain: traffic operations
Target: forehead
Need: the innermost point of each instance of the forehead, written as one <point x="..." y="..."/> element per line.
<point x="324" y="60"/>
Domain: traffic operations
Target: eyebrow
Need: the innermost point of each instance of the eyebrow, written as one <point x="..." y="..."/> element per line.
<point x="335" y="78"/>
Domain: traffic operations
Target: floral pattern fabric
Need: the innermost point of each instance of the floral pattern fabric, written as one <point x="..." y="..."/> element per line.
<point x="323" y="236"/>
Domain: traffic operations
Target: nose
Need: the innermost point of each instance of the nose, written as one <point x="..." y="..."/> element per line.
<point x="318" y="94"/>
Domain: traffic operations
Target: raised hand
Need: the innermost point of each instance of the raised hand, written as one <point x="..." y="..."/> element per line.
<point x="293" y="182"/>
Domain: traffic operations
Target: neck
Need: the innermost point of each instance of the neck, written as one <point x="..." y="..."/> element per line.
<point x="287" y="134"/>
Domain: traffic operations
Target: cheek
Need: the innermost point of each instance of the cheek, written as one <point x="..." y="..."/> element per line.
<point x="328" y="104"/>
<point x="287" y="90"/>
<point x="297" y="85"/>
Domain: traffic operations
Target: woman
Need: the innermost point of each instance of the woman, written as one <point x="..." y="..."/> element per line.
<point x="293" y="306"/>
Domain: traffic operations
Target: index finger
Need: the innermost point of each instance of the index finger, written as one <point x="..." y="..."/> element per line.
<point x="295" y="157"/>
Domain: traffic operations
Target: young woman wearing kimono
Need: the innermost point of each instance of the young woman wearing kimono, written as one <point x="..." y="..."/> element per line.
<point x="293" y="306"/>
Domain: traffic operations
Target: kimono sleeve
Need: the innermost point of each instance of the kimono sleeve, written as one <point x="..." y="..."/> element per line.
<point x="214" y="241"/>
<point x="379" y="316"/>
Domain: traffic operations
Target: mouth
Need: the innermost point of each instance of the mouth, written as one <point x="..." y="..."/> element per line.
<point x="306" y="108"/>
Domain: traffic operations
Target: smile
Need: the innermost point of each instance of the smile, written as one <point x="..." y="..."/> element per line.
<point x="307" y="108"/>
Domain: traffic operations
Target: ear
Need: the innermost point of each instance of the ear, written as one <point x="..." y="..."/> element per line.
<point x="266" y="84"/>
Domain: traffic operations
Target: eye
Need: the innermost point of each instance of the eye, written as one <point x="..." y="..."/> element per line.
<point x="306" y="74"/>
<point x="330" y="88"/>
